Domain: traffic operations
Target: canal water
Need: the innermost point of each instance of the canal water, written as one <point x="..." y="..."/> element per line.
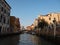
<point x="24" y="39"/>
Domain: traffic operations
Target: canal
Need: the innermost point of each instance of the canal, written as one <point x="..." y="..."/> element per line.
<point x="24" y="39"/>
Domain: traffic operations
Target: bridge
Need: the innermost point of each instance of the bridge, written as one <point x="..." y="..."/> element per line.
<point x="23" y="31"/>
<point x="30" y="32"/>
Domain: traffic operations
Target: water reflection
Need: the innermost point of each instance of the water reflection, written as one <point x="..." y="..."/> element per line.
<point x="23" y="39"/>
<point x="27" y="39"/>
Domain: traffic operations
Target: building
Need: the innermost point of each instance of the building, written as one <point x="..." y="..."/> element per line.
<point x="50" y="17"/>
<point x="54" y="29"/>
<point x="35" y="22"/>
<point x="17" y="23"/>
<point x="4" y="16"/>
<point x="28" y="28"/>
<point x="32" y="27"/>
<point x="14" y="24"/>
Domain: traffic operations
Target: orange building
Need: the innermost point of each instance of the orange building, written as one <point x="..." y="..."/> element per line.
<point x="32" y="27"/>
<point x="28" y="28"/>
<point x="14" y="24"/>
<point x="17" y="23"/>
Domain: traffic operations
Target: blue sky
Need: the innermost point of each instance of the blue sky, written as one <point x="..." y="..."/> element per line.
<point x="28" y="10"/>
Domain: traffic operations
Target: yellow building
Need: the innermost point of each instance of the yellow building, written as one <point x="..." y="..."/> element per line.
<point x="35" y="22"/>
<point x="50" y="17"/>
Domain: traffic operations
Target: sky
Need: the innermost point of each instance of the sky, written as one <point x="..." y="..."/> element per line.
<point x="28" y="10"/>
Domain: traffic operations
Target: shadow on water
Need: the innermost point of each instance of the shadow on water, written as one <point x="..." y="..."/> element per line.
<point x="10" y="40"/>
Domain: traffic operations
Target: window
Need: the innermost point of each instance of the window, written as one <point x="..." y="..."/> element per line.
<point x="8" y="29"/>
<point x="9" y="14"/>
<point x="1" y="8"/>
<point x="0" y="18"/>
<point x="0" y="29"/>
<point x="4" y="11"/>
<point x="4" y="20"/>
<point x="54" y="20"/>
<point x="8" y="21"/>
<point x="0" y="0"/>
<point x="0" y="5"/>
<point x="49" y="18"/>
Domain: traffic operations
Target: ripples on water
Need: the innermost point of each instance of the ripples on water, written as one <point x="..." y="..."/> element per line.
<point x="23" y="39"/>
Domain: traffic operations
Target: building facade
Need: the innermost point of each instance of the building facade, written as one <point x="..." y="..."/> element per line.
<point x="14" y="24"/>
<point x="17" y="23"/>
<point x="4" y="16"/>
<point x="35" y="22"/>
<point x="50" y="17"/>
<point x="28" y="28"/>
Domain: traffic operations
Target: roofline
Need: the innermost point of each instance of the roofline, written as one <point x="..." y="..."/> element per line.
<point x="7" y="4"/>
